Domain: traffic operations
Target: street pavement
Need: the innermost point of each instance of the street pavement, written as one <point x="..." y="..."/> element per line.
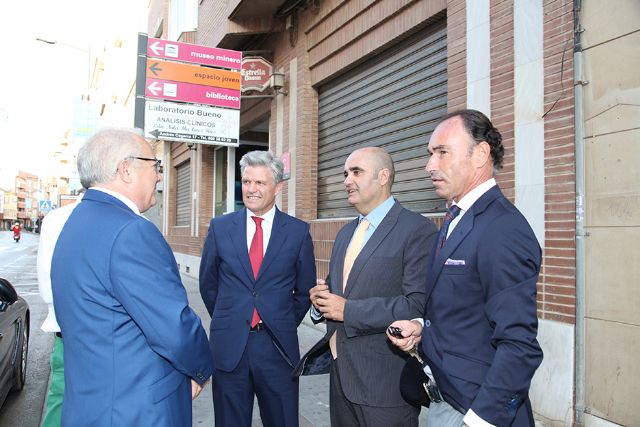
<point x="18" y="265"/>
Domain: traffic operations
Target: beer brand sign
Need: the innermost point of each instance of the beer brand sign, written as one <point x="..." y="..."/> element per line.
<point x="255" y="73"/>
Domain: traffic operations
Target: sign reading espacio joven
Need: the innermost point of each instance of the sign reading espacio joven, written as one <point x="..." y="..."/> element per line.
<point x="204" y="81"/>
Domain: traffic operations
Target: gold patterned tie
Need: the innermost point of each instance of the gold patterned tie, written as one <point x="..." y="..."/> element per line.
<point x="352" y="253"/>
<point x="353" y="250"/>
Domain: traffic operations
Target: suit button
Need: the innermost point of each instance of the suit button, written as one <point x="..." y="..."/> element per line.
<point x="255" y="294"/>
<point x="427" y="323"/>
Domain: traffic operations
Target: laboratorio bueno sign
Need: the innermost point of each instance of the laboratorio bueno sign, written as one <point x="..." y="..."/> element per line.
<point x="170" y="121"/>
<point x="255" y="73"/>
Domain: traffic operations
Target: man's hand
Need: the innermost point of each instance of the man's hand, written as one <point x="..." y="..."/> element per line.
<point x="318" y="289"/>
<point x="411" y="333"/>
<point x="196" y="388"/>
<point x="331" y="306"/>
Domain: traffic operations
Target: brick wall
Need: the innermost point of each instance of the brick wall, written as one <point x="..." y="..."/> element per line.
<point x="456" y="54"/>
<point x="180" y="237"/>
<point x="212" y="22"/>
<point x="324" y="234"/>
<point x="289" y="45"/>
<point x="502" y="87"/>
<point x="556" y="290"/>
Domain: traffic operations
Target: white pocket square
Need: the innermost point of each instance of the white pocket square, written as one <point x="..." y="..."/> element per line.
<point x="450" y="261"/>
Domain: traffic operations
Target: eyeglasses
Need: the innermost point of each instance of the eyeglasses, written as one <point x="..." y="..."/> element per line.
<point x="158" y="163"/>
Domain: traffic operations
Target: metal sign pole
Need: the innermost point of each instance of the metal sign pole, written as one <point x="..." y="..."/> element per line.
<point x="141" y="77"/>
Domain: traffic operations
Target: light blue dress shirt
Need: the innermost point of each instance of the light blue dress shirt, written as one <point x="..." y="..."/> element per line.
<point x="375" y="217"/>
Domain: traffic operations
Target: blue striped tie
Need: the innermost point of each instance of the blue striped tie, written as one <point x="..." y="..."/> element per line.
<point x="452" y="212"/>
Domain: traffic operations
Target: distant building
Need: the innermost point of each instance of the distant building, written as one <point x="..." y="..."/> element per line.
<point x="10" y="209"/>
<point x="27" y="188"/>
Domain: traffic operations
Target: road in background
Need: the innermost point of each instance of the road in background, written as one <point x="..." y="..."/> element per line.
<point x="18" y="265"/>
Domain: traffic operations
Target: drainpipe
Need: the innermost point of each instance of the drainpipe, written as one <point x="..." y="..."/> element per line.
<point x="581" y="234"/>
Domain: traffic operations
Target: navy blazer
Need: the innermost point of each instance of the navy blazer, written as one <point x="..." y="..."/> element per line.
<point x="131" y="341"/>
<point x="386" y="283"/>
<point x="280" y="292"/>
<point x="481" y="314"/>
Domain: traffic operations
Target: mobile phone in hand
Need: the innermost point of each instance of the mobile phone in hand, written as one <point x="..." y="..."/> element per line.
<point x="395" y="332"/>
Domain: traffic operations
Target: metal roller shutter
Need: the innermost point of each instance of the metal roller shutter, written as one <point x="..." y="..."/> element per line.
<point x="183" y="193"/>
<point x="393" y="101"/>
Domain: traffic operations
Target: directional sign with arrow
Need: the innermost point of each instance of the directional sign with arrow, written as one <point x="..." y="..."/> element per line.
<point x="192" y="84"/>
<point x="195" y="54"/>
<point x="193" y="74"/>
<point x="187" y="92"/>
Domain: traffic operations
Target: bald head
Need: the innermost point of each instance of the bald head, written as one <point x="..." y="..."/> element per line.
<point x="368" y="175"/>
<point x="379" y="159"/>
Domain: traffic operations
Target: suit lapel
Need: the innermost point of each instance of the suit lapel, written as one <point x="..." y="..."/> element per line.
<point x="238" y="235"/>
<point x="277" y="239"/>
<point x="378" y="236"/>
<point x="457" y="236"/>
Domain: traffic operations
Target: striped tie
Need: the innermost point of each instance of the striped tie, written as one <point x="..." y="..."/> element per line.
<point x="452" y="212"/>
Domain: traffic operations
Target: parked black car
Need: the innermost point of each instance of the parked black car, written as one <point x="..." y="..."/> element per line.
<point x="14" y="339"/>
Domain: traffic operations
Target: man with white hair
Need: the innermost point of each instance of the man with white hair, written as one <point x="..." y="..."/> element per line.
<point x="135" y="352"/>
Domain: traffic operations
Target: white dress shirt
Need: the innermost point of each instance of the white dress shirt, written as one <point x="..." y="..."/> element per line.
<point x="468" y="200"/>
<point x="127" y="201"/>
<point x="267" y="225"/>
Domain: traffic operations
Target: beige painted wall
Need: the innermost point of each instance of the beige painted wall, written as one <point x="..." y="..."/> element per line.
<point x="611" y="43"/>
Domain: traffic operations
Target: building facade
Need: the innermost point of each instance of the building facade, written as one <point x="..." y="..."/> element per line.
<point x="382" y="72"/>
<point x="27" y="188"/>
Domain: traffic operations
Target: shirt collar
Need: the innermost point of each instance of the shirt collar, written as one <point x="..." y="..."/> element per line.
<point x="472" y="196"/>
<point x="120" y="197"/>
<point x="376" y="216"/>
<point x="271" y="213"/>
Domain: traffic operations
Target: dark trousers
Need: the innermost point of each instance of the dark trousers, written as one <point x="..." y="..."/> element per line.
<point x="264" y="372"/>
<point x="344" y="413"/>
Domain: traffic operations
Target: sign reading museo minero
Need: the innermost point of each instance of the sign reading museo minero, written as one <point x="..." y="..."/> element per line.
<point x="170" y="121"/>
<point x="186" y="52"/>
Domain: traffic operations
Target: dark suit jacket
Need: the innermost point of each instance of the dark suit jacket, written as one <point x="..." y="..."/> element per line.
<point x="480" y="319"/>
<point x="386" y="283"/>
<point x="131" y="341"/>
<point x="280" y="292"/>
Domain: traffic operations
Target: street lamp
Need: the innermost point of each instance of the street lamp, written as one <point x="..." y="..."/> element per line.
<point x="83" y="50"/>
<point x="85" y="113"/>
